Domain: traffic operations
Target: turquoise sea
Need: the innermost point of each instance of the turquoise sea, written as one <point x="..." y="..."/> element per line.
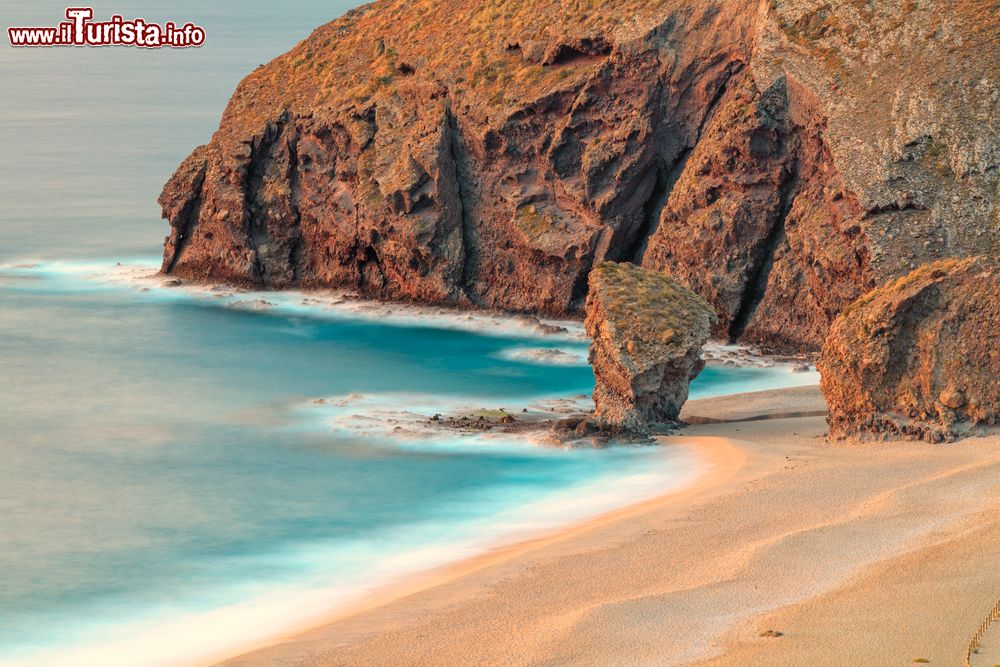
<point x="185" y="471"/>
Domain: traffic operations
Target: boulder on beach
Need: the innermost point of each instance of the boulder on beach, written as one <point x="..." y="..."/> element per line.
<point x="918" y="357"/>
<point x="647" y="332"/>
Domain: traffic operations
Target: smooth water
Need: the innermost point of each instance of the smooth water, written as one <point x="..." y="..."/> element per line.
<point x="170" y="488"/>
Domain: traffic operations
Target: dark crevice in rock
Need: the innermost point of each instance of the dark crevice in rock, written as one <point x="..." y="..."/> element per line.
<point x="667" y="176"/>
<point x="188" y="217"/>
<point x="732" y="70"/>
<point x="895" y="207"/>
<point x="470" y="253"/>
<point x="366" y="280"/>
<point x="584" y="50"/>
<point x="582" y="283"/>
<point x="295" y="252"/>
<point x="256" y="220"/>
<point x="756" y="285"/>
<point x="651" y="210"/>
<point x="666" y="179"/>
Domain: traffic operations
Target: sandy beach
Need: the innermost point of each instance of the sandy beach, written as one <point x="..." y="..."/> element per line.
<point x="791" y="550"/>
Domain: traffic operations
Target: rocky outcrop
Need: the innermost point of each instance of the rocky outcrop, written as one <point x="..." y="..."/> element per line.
<point x="919" y="357"/>
<point x="760" y="224"/>
<point x="772" y="155"/>
<point x="647" y="331"/>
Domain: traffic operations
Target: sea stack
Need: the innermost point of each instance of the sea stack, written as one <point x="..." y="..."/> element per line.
<point x="918" y="357"/>
<point x="647" y="332"/>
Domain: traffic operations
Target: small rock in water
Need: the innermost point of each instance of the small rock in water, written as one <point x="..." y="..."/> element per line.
<point x="543" y="327"/>
<point x="567" y="425"/>
<point x="551" y="329"/>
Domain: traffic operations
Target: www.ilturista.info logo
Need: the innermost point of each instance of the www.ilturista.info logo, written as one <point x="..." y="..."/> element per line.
<point x="80" y="30"/>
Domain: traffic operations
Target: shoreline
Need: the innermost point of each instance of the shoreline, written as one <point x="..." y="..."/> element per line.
<point x="794" y="551"/>
<point x="136" y="274"/>
<point x="718" y="460"/>
<point x="108" y="275"/>
<point x="142" y="275"/>
<point x="762" y="542"/>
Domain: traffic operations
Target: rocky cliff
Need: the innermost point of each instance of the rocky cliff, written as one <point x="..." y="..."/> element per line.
<point x="647" y="332"/>
<point x="780" y="157"/>
<point x="918" y="357"/>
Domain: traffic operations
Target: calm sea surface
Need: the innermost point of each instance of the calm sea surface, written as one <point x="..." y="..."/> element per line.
<point x="170" y="488"/>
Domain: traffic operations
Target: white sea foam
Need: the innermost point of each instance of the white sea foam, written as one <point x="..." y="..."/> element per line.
<point x="546" y="356"/>
<point x="142" y="276"/>
<point x="407" y="420"/>
<point x="197" y="636"/>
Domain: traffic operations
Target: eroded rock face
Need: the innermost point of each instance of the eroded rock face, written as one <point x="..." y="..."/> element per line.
<point x="759" y="222"/>
<point x="647" y="331"/>
<point x="918" y="357"/>
<point x="772" y="155"/>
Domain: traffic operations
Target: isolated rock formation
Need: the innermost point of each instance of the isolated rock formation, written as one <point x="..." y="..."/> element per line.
<point x="779" y="157"/>
<point x="646" y="335"/>
<point x="919" y="357"/>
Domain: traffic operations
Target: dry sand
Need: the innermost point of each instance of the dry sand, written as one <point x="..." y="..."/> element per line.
<point x="858" y="554"/>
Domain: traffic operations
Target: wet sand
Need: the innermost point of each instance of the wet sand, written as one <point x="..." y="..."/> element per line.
<point x="852" y="554"/>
